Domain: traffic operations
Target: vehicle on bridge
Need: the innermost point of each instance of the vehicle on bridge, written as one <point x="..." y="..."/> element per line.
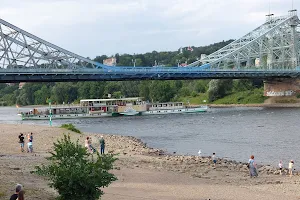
<point x="94" y="108"/>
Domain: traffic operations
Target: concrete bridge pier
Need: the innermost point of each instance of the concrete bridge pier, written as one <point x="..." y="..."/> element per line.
<point x="282" y="90"/>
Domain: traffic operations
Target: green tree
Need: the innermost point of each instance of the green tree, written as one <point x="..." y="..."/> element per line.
<point x="74" y="173"/>
<point x="161" y="91"/>
<point x="40" y="96"/>
<point x="219" y="88"/>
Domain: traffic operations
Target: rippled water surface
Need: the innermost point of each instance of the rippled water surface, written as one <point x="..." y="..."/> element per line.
<point x="271" y="134"/>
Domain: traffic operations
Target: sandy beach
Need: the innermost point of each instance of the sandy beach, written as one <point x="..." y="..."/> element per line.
<point x="143" y="172"/>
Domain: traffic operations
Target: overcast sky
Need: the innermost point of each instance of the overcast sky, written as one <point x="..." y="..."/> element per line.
<point x="96" y="27"/>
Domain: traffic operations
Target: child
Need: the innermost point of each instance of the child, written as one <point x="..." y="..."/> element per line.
<point x="280" y="167"/>
<point x="291" y="165"/>
<point x="214" y="159"/>
<point x="29" y="147"/>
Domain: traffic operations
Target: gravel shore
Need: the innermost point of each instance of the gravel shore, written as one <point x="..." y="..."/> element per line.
<point x="143" y="172"/>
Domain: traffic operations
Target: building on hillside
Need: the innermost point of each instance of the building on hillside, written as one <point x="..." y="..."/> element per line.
<point x="21" y="84"/>
<point x="110" y="61"/>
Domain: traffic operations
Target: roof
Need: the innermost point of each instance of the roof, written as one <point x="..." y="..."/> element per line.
<point x="120" y="99"/>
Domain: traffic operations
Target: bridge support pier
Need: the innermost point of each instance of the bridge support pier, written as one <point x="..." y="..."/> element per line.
<point x="282" y="90"/>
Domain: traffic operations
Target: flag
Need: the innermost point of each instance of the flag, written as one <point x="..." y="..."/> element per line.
<point x="190" y="49"/>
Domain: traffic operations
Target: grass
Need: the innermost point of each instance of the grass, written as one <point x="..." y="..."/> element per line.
<point x="70" y="127"/>
<point x="201" y="98"/>
<point x="244" y="97"/>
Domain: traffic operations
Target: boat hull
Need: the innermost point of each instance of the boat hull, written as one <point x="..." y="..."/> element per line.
<point x="175" y="111"/>
<point x="67" y="116"/>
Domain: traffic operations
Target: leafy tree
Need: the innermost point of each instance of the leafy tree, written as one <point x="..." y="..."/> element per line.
<point x="74" y="174"/>
<point x="242" y="85"/>
<point x="219" y="88"/>
<point x="161" y="91"/>
<point x="40" y="96"/>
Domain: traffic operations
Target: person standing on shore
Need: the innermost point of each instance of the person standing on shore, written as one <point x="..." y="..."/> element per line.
<point x="280" y="167"/>
<point x="18" y="189"/>
<point x="31" y="137"/>
<point x="252" y="167"/>
<point x="21" y="141"/>
<point x="291" y="165"/>
<point x="87" y="144"/>
<point x="214" y="158"/>
<point x="102" y="145"/>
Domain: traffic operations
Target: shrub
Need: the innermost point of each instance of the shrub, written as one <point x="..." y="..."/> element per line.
<point x="74" y="174"/>
<point x="70" y="127"/>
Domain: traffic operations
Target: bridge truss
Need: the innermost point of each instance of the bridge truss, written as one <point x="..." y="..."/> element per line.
<point x="273" y="45"/>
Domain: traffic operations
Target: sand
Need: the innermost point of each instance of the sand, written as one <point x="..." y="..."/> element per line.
<point x="143" y="172"/>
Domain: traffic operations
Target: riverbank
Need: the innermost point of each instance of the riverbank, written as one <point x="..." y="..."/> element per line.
<point x="143" y="172"/>
<point x="263" y="105"/>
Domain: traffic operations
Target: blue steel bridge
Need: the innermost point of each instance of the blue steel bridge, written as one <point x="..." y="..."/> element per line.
<point x="268" y="52"/>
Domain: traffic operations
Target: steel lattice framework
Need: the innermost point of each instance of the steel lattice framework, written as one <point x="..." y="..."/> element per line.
<point x="27" y="58"/>
<point x="20" y="49"/>
<point x="274" y="45"/>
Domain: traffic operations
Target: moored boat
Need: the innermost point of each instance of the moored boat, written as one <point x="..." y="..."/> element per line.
<point x="94" y="108"/>
<point x="172" y="108"/>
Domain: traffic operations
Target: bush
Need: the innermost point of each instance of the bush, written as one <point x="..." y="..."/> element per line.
<point x="74" y="174"/>
<point x="70" y="127"/>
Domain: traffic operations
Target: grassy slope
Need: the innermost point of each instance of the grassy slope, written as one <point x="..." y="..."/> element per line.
<point x="244" y="97"/>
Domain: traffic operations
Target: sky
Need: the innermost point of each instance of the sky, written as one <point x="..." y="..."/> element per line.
<point x="92" y="28"/>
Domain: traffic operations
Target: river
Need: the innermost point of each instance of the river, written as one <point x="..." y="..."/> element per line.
<point x="271" y="134"/>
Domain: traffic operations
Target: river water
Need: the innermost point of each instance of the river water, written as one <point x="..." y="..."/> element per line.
<point x="271" y="134"/>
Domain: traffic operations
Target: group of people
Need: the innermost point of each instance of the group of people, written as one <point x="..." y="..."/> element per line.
<point x="19" y="194"/>
<point x="253" y="167"/>
<point x="291" y="166"/>
<point x="90" y="148"/>
<point x="29" y="142"/>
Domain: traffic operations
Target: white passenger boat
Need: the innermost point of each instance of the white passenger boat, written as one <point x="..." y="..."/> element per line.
<point x="88" y="108"/>
<point x="172" y="108"/>
<point x="94" y="108"/>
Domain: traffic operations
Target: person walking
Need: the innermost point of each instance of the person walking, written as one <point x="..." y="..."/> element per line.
<point x="29" y="147"/>
<point x="102" y="145"/>
<point x="291" y="165"/>
<point x="252" y="167"/>
<point x="15" y="195"/>
<point x="21" y="141"/>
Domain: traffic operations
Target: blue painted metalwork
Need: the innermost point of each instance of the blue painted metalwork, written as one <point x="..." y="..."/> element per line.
<point x="136" y="73"/>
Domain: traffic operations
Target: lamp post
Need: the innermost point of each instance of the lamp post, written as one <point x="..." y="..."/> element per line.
<point x="133" y="61"/>
<point x="50" y="112"/>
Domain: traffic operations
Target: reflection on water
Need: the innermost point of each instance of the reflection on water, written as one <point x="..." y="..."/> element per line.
<point x="271" y="134"/>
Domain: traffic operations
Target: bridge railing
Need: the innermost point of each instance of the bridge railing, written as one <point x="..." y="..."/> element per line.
<point x="138" y="70"/>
